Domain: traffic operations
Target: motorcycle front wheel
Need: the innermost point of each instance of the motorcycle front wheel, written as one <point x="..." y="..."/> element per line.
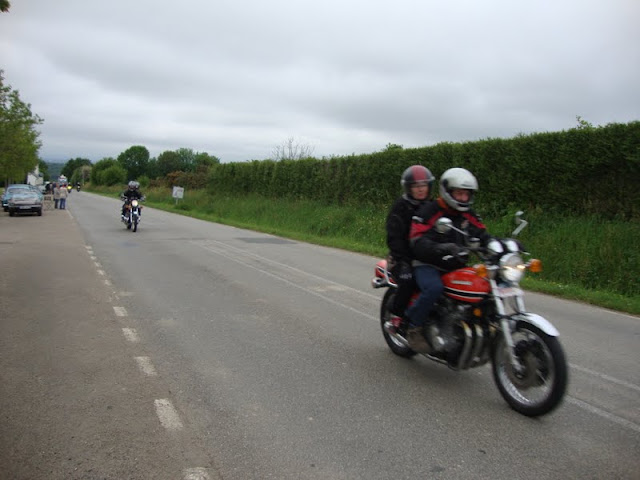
<point x="540" y="384"/>
<point x="135" y="224"/>
<point x="394" y="344"/>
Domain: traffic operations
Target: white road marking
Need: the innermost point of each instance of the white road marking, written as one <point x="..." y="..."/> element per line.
<point x="101" y="272"/>
<point x="606" y="377"/>
<point x="97" y="264"/>
<point x="288" y="282"/>
<point x="167" y="414"/>
<point x="131" y="335"/>
<point x="145" y="365"/>
<point x="604" y="414"/>
<point x="197" y="473"/>
<point x="120" y="311"/>
<point x="107" y="282"/>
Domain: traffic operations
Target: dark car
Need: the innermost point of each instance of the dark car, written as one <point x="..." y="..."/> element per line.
<point x="25" y="201"/>
<point x="10" y="191"/>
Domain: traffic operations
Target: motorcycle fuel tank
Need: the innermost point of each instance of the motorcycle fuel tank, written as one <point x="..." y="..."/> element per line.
<point x="465" y="285"/>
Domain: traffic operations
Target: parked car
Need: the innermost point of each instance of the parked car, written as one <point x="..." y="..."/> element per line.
<point x="10" y="190"/>
<point x="25" y="201"/>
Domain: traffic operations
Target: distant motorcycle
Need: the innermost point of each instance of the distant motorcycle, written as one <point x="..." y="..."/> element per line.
<point x="78" y="187"/>
<point x="481" y="317"/>
<point x="132" y="213"/>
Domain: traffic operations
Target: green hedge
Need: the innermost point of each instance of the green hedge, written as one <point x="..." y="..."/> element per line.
<point x="587" y="170"/>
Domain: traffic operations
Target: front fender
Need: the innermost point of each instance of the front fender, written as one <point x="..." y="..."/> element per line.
<point x="537" y="321"/>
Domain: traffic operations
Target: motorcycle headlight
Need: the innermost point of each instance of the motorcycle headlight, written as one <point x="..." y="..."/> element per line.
<point x="512" y="245"/>
<point x="512" y="267"/>
<point x="495" y="247"/>
<point x="134" y="203"/>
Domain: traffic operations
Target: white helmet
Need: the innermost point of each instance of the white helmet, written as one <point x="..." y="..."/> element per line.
<point x="458" y="178"/>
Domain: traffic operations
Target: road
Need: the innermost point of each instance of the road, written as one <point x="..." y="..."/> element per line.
<point x="192" y="350"/>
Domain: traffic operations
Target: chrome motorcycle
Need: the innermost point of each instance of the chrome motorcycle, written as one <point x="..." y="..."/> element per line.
<point x="132" y="213"/>
<point x="481" y="318"/>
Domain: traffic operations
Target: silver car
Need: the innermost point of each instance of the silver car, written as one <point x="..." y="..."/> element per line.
<point x="25" y="201"/>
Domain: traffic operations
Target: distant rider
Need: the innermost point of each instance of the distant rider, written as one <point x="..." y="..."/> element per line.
<point x="132" y="192"/>
<point x="416" y="182"/>
<point x="437" y="253"/>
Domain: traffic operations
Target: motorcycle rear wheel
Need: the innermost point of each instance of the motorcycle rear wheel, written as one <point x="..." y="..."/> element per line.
<point x="542" y="383"/>
<point x="385" y="316"/>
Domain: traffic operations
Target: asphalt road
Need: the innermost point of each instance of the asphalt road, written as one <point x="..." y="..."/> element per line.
<point x="191" y="350"/>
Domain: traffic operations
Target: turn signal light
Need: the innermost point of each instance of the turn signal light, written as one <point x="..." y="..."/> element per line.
<point x="535" y="265"/>
<point x="481" y="270"/>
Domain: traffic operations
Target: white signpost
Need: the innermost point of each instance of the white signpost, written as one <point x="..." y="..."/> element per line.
<point x="178" y="192"/>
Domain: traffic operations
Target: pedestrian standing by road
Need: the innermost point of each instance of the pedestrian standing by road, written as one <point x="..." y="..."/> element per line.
<point x="56" y="195"/>
<point x="64" y="193"/>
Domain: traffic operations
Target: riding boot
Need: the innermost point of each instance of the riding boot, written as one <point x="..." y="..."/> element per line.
<point x="417" y="342"/>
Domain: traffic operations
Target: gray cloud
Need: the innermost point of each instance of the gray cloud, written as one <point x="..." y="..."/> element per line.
<point x="236" y="78"/>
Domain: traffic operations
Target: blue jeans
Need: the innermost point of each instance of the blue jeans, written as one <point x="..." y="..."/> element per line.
<point x="430" y="284"/>
<point x="63" y="203"/>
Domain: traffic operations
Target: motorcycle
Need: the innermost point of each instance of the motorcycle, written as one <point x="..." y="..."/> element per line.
<point x="132" y="213"/>
<point x="481" y="317"/>
<point x="78" y="187"/>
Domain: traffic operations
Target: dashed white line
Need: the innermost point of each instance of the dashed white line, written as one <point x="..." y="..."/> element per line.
<point x="144" y="363"/>
<point x="131" y="335"/>
<point x="167" y="414"/>
<point x="120" y="311"/>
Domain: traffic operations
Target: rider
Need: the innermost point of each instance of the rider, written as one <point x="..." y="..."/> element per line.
<point x="132" y="192"/>
<point x="416" y="182"/>
<point x="436" y="253"/>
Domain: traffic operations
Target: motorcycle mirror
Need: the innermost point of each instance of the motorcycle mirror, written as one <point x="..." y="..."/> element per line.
<point x="519" y="214"/>
<point x="443" y="225"/>
<point x="520" y="222"/>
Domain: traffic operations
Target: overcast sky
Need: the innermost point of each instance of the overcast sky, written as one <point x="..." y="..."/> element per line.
<point x="237" y="78"/>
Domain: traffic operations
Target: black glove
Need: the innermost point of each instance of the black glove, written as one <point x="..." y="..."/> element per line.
<point x="402" y="271"/>
<point x="457" y="257"/>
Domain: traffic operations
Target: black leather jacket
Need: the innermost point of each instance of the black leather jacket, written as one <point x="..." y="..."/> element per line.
<point x="131" y="194"/>
<point x="398" y="227"/>
<point x="441" y="250"/>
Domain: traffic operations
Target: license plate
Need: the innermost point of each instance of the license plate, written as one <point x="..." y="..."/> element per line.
<point x="25" y="208"/>
<point x="508" y="292"/>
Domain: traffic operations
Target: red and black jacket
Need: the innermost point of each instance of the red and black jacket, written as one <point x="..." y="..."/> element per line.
<point x="429" y="247"/>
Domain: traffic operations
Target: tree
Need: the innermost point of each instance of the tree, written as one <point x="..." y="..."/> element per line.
<point x="4" y="5"/>
<point x="44" y="169"/>
<point x="72" y="165"/>
<point x="168" y="161"/>
<point x="19" y="142"/>
<point x="203" y="161"/>
<point x="135" y="161"/>
<point x="101" y="166"/>
<point x="292" y="150"/>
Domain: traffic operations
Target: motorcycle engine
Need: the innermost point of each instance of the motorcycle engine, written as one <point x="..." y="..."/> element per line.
<point x="449" y="315"/>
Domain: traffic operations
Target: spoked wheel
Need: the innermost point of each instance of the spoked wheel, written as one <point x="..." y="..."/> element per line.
<point x="540" y="382"/>
<point x="394" y="343"/>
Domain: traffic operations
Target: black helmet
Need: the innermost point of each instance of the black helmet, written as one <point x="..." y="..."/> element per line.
<point x="416" y="174"/>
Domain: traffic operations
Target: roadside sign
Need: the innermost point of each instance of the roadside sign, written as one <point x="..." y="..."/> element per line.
<point x="178" y="192"/>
